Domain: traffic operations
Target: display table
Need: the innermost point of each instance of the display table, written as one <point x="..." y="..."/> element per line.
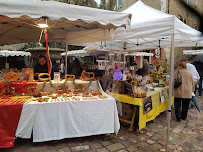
<point x="63" y="119"/>
<point x="157" y="105"/>
<point x="55" y="121"/>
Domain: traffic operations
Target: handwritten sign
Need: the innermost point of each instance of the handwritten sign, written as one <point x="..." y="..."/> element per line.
<point x="147" y="104"/>
<point x="162" y="96"/>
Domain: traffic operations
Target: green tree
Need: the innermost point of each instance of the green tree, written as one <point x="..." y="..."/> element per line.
<point x="88" y="3"/>
<point x="108" y="4"/>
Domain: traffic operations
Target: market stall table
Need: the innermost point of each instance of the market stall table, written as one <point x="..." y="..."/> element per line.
<point x="66" y="119"/>
<point x="157" y="106"/>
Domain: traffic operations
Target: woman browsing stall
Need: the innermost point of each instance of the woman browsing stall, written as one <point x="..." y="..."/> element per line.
<point x="183" y="94"/>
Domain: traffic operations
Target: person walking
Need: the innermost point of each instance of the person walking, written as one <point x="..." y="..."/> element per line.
<point x="183" y="94"/>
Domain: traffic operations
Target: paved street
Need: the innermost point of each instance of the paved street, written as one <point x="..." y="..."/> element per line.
<point x="186" y="135"/>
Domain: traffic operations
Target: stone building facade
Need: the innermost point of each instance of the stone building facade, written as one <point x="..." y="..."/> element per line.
<point x="172" y="7"/>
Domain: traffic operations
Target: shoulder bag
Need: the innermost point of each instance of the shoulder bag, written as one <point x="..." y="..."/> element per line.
<point x="177" y="81"/>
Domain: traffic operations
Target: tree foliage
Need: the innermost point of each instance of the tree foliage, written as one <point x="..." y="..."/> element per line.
<point x="88" y="3"/>
<point x="108" y="4"/>
<point x="105" y="4"/>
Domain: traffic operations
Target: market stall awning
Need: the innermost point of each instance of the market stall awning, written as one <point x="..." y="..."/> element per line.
<point x="77" y="53"/>
<point x="140" y="54"/>
<point x="150" y="28"/>
<point x="193" y="52"/>
<point x="19" y="20"/>
<point x="14" y="53"/>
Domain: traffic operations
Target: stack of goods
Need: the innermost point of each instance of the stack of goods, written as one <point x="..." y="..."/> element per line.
<point x="138" y="93"/>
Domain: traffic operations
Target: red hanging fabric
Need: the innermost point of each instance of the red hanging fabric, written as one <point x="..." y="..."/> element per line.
<point x="46" y="39"/>
<point x="9" y="118"/>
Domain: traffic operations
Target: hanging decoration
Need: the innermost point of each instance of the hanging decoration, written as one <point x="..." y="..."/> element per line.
<point x="44" y="30"/>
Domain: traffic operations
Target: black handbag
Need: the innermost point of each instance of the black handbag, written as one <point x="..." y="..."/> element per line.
<point x="177" y="81"/>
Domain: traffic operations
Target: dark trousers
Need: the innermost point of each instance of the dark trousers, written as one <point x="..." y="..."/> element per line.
<point x="181" y="111"/>
<point x="200" y="87"/>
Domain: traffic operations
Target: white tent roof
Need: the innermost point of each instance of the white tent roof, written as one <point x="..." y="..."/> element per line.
<point x="19" y="20"/>
<point x="140" y="54"/>
<point x="151" y="28"/>
<point x="85" y="52"/>
<point x="77" y="53"/>
<point x="7" y="53"/>
<point x="193" y="52"/>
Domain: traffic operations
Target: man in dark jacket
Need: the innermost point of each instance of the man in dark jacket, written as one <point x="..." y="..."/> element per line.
<point x="76" y="67"/>
<point x="41" y="67"/>
<point x="199" y="67"/>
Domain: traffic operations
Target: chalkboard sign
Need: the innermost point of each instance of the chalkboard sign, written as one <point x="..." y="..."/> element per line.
<point x="129" y="89"/>
<point x="147" y="104"/>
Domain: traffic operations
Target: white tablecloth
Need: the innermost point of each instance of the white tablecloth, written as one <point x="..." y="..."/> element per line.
<point x="67" y="119"/>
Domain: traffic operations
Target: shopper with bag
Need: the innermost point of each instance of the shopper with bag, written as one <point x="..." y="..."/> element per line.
<point x="183" y="93"/>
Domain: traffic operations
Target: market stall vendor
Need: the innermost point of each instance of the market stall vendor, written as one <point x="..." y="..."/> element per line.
<point x="145" y="70"/>
<point x="41" y="67"/>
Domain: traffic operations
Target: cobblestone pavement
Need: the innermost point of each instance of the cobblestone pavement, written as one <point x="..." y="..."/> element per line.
<point x="186" y="135"/>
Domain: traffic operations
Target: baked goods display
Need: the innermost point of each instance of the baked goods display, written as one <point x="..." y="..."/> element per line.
<point x="15" y="100"/>
<point x="11" y="76"/>
<point x="35" y="93"/>
<point x="41" y="75"/>
<point x="139" y="93"/>
<point x="87" y="76"/>
<point x="69" y="77"/>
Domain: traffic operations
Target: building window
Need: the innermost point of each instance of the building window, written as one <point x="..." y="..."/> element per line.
<point x="196" y="3"/>
<point x="188" y="2"/>
<point x="118" y="4"/>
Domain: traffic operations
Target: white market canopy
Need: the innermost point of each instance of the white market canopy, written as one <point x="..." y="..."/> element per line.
<point x="151" y="28"/>
<point x="140" y="54"/>
<point x="193" y="52"/>
<point x="77" y="53"/>
<point x="19" y="20"/>
<point x="6" y="53"/>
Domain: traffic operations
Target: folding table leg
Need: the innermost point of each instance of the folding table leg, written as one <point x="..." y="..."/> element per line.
<point x="133" y="119"/>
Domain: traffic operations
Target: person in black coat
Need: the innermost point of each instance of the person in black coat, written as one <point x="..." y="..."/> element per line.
<point x="76" y="67"/>
<point x="199" y="67"/>
<point x="41" y="67"/>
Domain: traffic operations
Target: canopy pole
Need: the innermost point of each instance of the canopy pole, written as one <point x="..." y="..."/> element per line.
<point x="66" y="60"/>
<point x="6" y="59"/>
<point x="124" y="51"/>
<point x="170" y="91"/>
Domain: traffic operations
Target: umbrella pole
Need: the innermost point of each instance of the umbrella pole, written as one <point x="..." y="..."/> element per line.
<point x="170" y="91"/>
<point x="66" y="60"/>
